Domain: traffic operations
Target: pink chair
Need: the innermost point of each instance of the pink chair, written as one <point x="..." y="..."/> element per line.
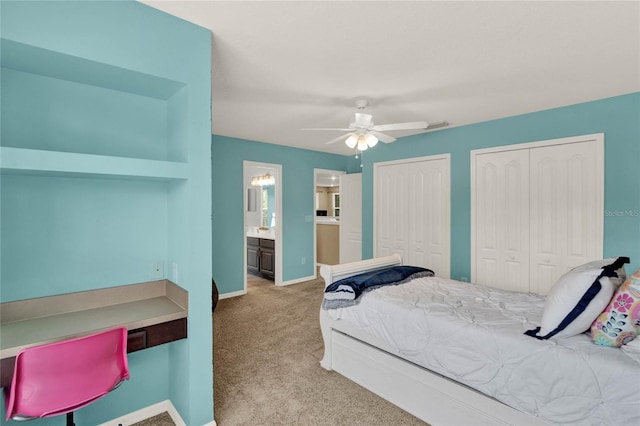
<point x="58" y="378"/>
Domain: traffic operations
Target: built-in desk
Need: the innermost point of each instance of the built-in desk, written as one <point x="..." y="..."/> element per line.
<point x="153" y="312"/>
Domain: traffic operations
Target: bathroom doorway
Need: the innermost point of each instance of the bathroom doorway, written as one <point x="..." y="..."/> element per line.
<point x="328" y="208"/>
<point x="262" y="236"/>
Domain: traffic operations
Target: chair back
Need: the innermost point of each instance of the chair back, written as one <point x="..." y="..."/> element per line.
<point x="58" y="378"/>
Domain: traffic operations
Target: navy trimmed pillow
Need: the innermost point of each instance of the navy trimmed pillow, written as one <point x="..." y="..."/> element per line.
<point x="578" y="297"/>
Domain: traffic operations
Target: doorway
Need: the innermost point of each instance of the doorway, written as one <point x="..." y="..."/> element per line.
<point x="262" y="194"/>
<point x="328" y="209"/>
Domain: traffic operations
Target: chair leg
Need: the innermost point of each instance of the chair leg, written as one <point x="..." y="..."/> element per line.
<point x="70" y="419"/>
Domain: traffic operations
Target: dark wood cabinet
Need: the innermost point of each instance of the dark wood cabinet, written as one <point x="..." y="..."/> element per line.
<point x="261" y="257"/>
<point x="253" y="255"/>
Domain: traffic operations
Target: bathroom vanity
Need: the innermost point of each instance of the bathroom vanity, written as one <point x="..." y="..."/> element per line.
<point x="261" y="257"/>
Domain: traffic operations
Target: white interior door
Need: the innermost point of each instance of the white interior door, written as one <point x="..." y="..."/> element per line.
<point x="565" y="219"/>
<point x="351" y="218"/>
<point x="412" y="211"/>
<point x="390" y="210"/>
<point x="502" y="220"/>
<point x="429" y="215"/>
<point x="537" y="211"/>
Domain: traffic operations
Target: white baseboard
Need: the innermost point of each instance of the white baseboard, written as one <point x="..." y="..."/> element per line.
<point x="298" y="280"/>
<point x="232" y="294"/>
<point x="150" y="411"/>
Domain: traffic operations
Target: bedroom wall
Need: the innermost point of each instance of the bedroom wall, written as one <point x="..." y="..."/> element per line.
<point x="617" y="117"/>
<point x="298" y="198"/>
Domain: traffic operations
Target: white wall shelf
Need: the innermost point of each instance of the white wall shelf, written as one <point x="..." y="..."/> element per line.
<point x="56" y="163"/>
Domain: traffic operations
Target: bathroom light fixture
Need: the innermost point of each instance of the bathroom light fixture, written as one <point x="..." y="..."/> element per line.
<point x="263" y="180"/>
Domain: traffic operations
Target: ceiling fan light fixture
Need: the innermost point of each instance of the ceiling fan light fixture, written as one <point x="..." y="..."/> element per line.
<point x="352" y="141"/>
<point x="362" y="143"/>
<point x="370" y="140"/>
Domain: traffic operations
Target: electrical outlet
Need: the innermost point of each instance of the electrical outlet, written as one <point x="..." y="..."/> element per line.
<point x="303" y="260"/>
<point x="158" y="269"/>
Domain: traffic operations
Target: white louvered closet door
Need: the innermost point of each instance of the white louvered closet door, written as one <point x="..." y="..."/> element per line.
<point x="412" y="212"/>
<point x="564" y="218"/>
<point x="502" y="220"/>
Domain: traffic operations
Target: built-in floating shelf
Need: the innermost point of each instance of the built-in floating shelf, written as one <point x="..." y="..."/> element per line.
<point x="30" y="59"/>
<point x="55" y="163"/>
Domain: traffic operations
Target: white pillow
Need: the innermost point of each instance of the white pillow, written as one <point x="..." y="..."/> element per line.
<point x="578" y="297"/>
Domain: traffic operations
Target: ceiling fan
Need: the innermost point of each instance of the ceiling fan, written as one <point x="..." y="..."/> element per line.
<point x="363" y="133"/>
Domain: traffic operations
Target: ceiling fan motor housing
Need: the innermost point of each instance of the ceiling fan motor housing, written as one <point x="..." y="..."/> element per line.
<point x="361" y="103"/>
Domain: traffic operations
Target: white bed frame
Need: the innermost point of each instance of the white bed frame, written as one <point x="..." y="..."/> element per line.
<point x="379" y="368"/>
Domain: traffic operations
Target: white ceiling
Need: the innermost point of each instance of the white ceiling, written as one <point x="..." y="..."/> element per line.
<point x="279" y="67"/>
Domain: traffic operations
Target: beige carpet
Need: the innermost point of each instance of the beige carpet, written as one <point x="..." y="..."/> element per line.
<point x="267" y="348"/>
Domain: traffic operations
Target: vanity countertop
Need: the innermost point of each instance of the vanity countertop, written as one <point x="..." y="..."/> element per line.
<point x="267" y="235"/>
<point x="322" y="220"/>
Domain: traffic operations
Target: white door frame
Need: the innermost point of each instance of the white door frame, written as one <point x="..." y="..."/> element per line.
<point x="278" y="211"/>
<point x="315" y="185"/>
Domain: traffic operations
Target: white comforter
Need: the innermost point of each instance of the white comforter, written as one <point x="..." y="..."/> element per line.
<point x="474" y="335"/>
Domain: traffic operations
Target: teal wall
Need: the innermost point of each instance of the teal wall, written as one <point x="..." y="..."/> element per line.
<point x="114" y="78"/>
<point x="62" y="235"/>
<point x="618" y="118"/>
<point x="298" y="197"/>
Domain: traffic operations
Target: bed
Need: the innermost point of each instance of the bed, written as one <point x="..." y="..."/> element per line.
<point x="454" y="353"/>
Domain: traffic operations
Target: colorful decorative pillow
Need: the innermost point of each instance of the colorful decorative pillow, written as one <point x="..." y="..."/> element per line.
<point x="620" y="322"/>
<point x="578" y="297"/>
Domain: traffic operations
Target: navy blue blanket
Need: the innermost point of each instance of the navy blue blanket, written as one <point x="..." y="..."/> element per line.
<point x="347" y="291"/>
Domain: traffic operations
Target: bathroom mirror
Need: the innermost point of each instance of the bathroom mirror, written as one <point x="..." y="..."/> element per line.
<point x="252" y="195"/>
<point x="268" y="206"/>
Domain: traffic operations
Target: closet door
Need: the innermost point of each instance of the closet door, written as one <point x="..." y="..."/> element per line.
<point x="566" y="222"/>
<point x="429" y="215"/>
<point x="501" y="215"/>
<point x="391" y="201"/>
<point x="537" y="211"/>
<point x="412" y="212"/>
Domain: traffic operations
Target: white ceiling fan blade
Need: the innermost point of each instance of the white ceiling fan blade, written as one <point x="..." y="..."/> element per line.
<point x="339" y="138"/>
<point x="413" y="125"/>
<point x="363" y="120"/>
<point x="327" y="128"/>
<point x="382" y="137"/>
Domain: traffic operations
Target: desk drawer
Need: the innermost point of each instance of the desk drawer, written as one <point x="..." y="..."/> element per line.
<point x="136" y="340"/>
<point x="159" y="334"/>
